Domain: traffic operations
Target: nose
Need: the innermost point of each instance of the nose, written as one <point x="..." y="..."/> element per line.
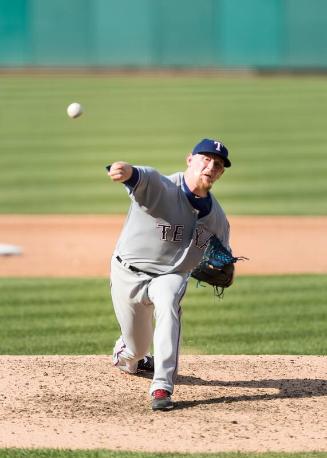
<point x="211" y="164"/>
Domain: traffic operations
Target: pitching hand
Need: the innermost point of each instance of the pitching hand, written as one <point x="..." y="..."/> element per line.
<point x="120" y="171"/>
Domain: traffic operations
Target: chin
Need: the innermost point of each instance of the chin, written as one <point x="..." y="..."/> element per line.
<point x="207" y="185"/>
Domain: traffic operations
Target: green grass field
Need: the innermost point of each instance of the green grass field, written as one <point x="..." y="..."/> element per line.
<point x="275" y="131"/>
<point x="258" y="315"/>
<point x="274" y="128"/>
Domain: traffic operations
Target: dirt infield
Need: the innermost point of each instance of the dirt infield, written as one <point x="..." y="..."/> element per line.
<point x="224" y="403"/>
<point x="73" y="246"/>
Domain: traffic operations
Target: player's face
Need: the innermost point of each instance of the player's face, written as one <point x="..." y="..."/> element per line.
<point x="206" y="168"/>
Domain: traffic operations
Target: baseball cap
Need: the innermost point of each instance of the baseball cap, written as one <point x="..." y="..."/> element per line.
<point x="208" y="145"/>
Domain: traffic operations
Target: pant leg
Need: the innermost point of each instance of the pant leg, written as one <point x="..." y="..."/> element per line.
<point x="166" y="293"/>
<point x="134" y="313"/>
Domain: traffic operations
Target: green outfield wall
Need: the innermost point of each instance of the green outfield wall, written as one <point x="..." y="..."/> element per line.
<point x="163" y="33"/>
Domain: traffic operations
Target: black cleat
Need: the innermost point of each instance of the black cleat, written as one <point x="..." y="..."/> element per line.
<point x="146" y="364"/>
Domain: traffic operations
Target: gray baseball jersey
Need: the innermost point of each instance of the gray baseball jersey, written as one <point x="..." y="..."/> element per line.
<point x="164" y="238"/>
<point x="162" y="233"/>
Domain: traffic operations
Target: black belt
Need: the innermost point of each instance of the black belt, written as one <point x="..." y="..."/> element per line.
<point x="132" y="268"/>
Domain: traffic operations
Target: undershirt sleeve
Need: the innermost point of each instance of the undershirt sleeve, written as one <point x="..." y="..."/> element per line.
<point x="133" y="180"/>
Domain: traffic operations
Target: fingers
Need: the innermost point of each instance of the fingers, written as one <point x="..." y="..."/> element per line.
<point x="120" y="171"/>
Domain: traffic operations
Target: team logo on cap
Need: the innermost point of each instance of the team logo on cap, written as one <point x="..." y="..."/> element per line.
<point x="218" y="145"/>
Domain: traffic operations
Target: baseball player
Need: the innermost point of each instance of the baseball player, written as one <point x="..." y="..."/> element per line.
<point x="170" y="220"/>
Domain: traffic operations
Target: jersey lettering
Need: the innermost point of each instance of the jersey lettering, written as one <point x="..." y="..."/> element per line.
<point x="164" y="230"/>
<point x="201" y="243"/>
<point x="178" y="233"/>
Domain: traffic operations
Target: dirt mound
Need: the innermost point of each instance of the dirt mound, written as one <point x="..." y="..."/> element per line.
<point x="223" y="403"/>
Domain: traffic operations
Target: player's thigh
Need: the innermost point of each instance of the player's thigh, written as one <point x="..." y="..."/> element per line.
<point x="167" y="291"/>
<point x="133" y="309"/>
<point x="136" y="325"/>
<point x="128" y="286"/>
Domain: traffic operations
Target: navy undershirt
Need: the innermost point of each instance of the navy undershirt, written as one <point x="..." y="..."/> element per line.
<point x="132" y="181"/>
<point x="202" y="204"/>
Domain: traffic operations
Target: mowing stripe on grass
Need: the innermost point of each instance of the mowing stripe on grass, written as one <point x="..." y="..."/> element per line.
<point x="258" y="315"/>
<point x="274" y="128"/>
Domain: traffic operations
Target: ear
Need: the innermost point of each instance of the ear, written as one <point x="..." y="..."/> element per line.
<point x="222" y="172"/>
<point x="189" y="159"/>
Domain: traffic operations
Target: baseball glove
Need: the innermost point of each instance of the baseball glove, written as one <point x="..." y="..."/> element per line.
<point x="216" y="266"/>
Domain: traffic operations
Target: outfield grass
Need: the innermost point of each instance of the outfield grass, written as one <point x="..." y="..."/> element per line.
<point x="258" y="315"/>
<point x="50" y="453"/>
<point x="274" y="127"/>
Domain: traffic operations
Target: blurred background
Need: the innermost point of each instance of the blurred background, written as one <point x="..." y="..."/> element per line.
<point x="254" y="34"/>
<point x="154" y="78"/>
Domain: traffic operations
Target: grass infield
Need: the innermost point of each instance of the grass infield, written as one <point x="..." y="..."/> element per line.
<point x="258" y="315"/>
<point x="274" y="128"/>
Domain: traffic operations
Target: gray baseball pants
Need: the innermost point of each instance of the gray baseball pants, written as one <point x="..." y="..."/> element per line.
<point x="148" y="310"/>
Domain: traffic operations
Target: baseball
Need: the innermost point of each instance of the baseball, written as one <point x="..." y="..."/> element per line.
<point x="74" y="110"/>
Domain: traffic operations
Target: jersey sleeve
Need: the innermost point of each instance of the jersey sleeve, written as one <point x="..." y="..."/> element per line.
<point x="225" y="238"/>
<point x="150" y="188"/>
<point x="222" y="227"/>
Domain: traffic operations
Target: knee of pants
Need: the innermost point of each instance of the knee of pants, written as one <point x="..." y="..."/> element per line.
<point x="134" y="355"/>
<point x="167" y="307"/>
<point x="138" y="345"/>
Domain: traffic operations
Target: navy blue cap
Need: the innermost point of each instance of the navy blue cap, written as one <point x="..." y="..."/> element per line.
<point x="213" y="147"/>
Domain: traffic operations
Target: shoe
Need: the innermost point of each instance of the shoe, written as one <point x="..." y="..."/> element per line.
<point x="146" y="364"/>
<point x="161" y="400"/>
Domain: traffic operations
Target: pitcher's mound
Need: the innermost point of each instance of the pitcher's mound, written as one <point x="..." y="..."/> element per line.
<point x="223" y="403"/>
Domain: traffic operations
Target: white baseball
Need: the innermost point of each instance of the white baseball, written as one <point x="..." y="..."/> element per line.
<point x="74" y="110"/>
